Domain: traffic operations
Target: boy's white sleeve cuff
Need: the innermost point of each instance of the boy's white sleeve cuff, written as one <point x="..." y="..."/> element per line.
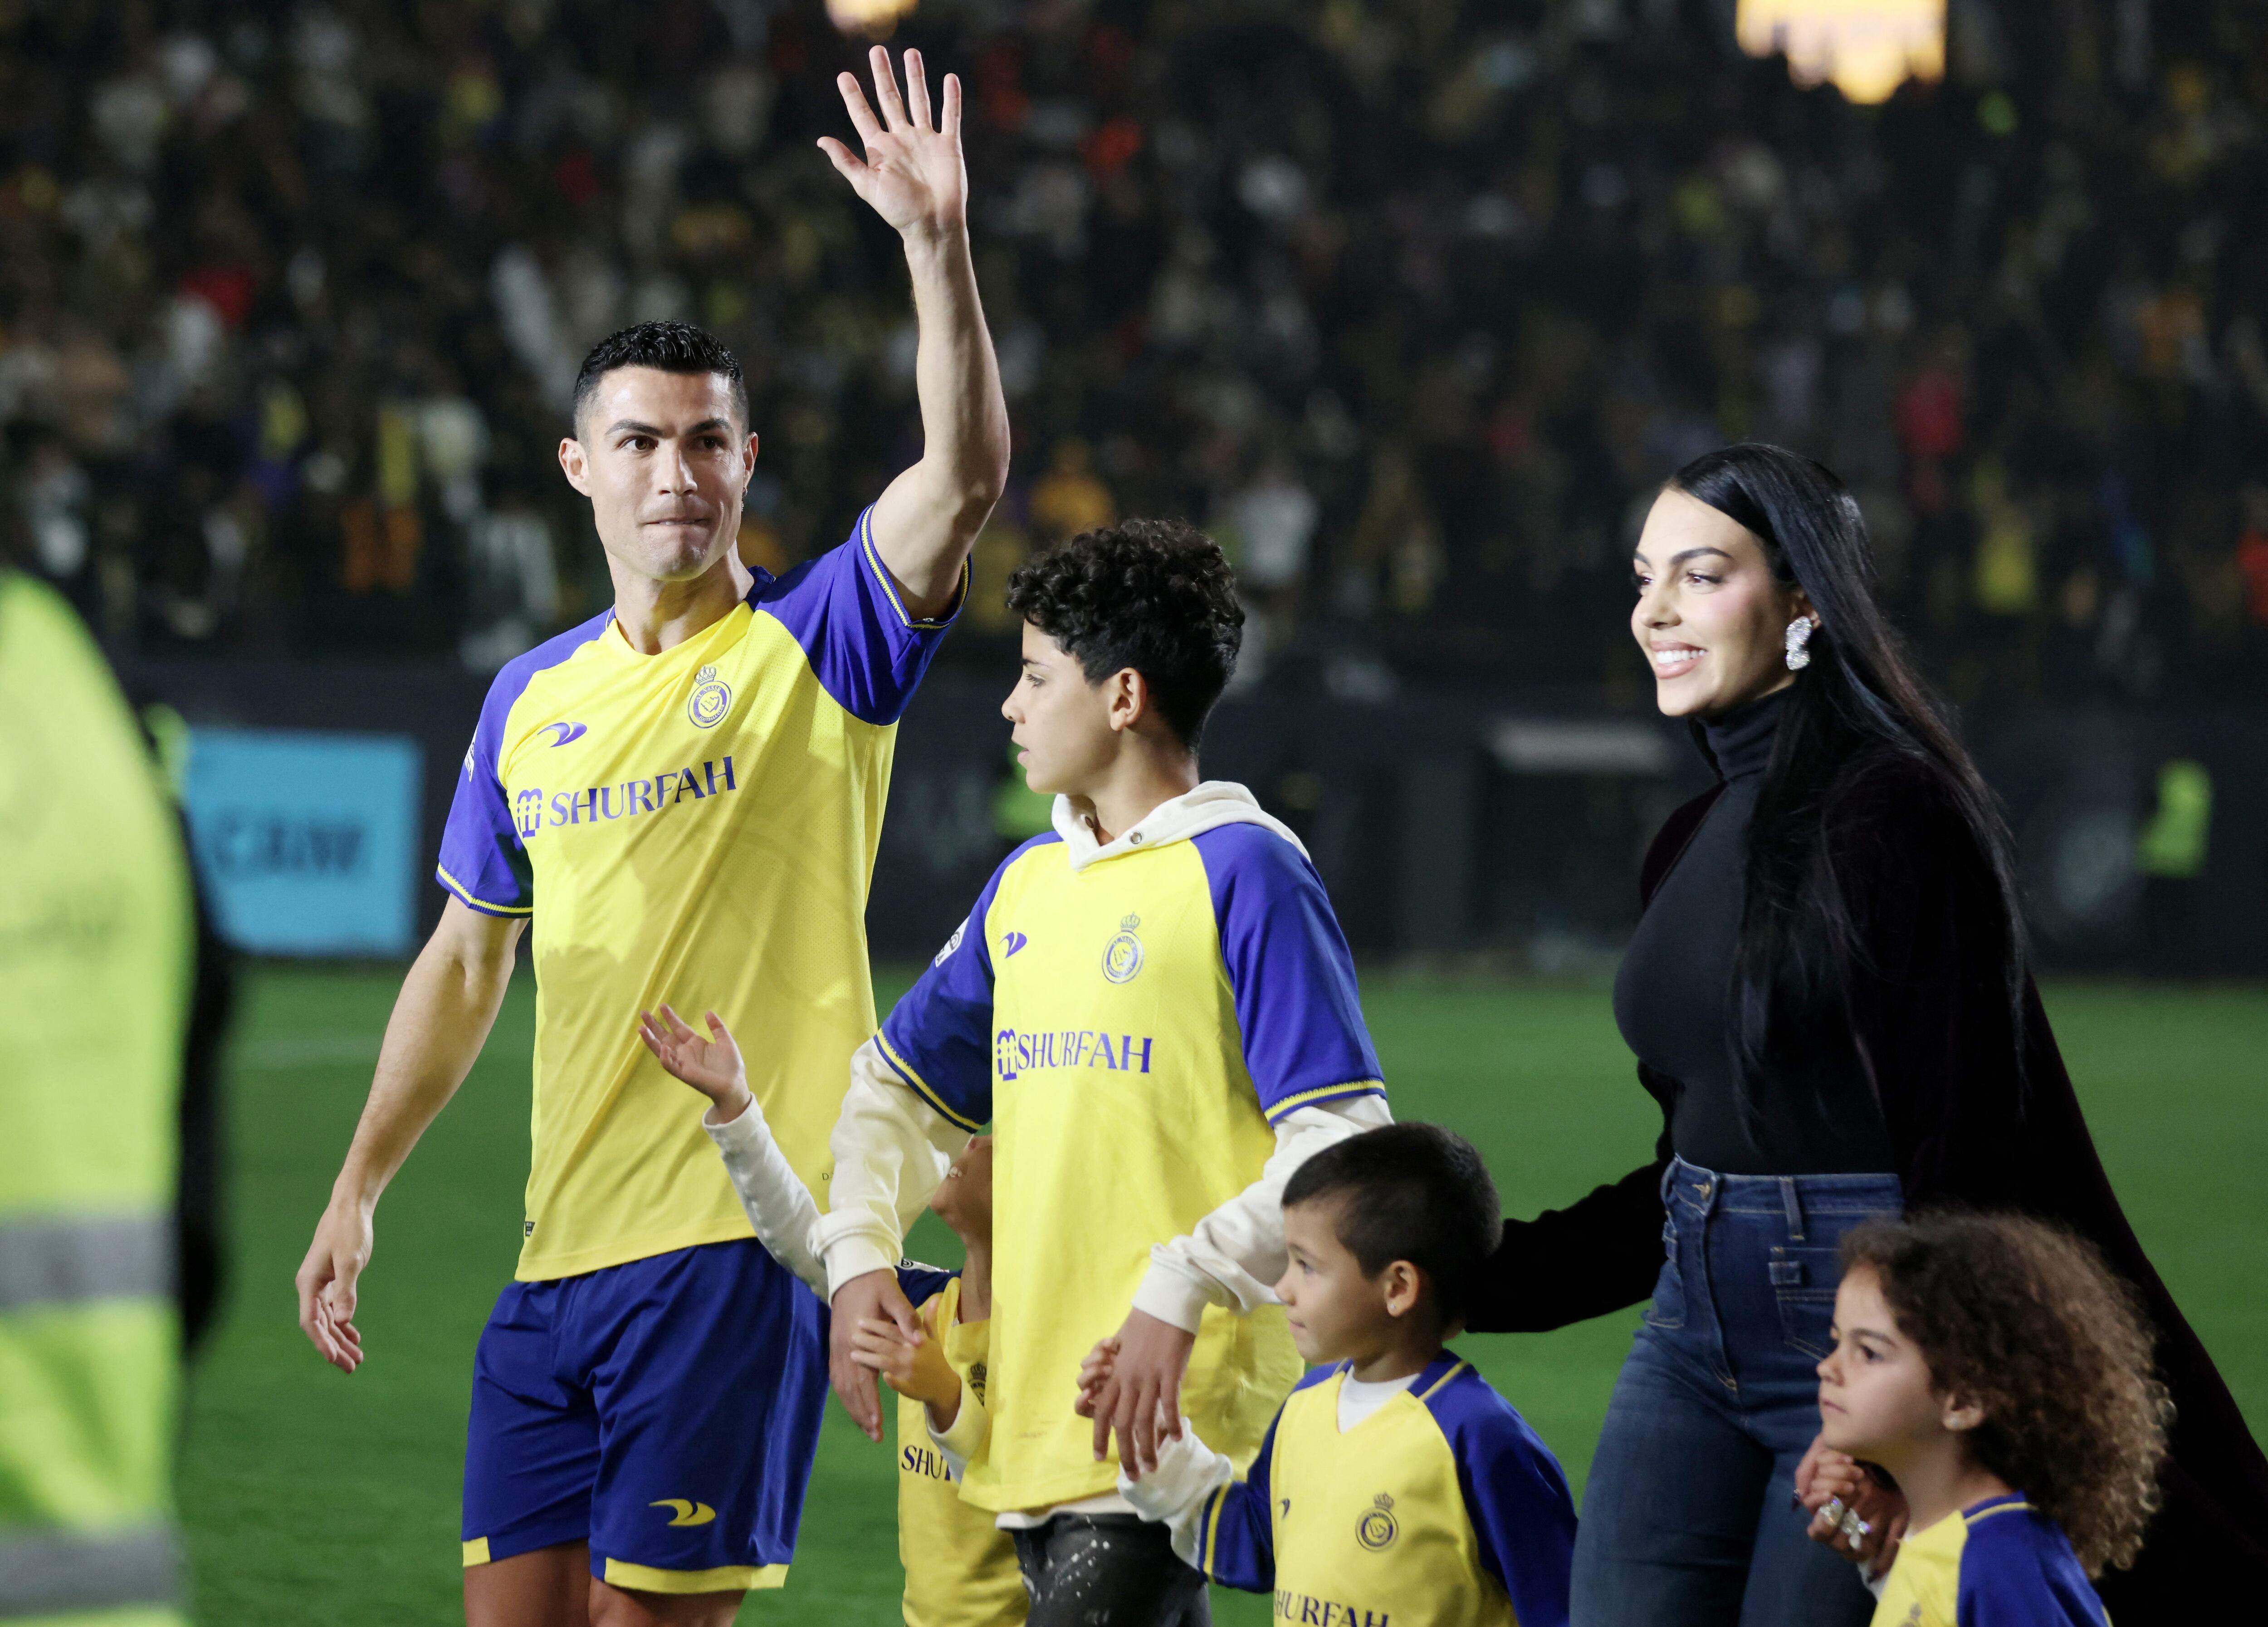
<point x="853" y="1254"/>
<point x="745" y="1132"/>
<point x="1176" y="1293"/>
<point x="1188" y="1472"/>
<point x="970" y="1426"/>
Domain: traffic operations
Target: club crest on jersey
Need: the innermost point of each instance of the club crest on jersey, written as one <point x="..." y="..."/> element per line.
<point x="711" y="699"/>
<point x="1122" y="956"/>
<point x="1376" y="1528"/>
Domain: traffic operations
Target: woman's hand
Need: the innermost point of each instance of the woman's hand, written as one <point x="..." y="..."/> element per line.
<point x="919" y="1371"/>
<point x="712" y="1066"/>
<point x="1852" y="1512"/>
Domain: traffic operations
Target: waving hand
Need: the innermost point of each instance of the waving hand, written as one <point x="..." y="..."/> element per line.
<point x="913" y="176"/>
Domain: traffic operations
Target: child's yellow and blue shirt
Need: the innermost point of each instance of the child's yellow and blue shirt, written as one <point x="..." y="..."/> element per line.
<point x="961" y="1569"/>
<point x="697" y="826"/>
<point x="1132" y="1027"/>
<point x="1999" y="1562"/>
<point x="1440" y="1509"/>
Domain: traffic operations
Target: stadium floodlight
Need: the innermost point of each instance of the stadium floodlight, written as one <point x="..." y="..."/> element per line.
<point x="1867" y="48"/>
<point x="875" y="19"/>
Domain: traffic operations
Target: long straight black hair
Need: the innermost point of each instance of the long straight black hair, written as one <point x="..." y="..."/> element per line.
<point x="1858" y="698"/>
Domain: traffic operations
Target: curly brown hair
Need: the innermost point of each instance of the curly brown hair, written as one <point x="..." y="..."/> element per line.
<point x="2024" y="1319"/>
<point x="1156" y="595"/>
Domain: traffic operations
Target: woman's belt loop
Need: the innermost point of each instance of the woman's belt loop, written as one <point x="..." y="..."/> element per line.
<point x="1792" y="1201"/>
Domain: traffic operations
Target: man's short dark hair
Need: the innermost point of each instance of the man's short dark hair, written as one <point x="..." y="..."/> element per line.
<point x="668" y="346"/>
<point x="1156" y="595"/>
<point x="1414" y="1192"/>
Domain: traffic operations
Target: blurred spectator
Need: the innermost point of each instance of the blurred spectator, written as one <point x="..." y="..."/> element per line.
<point x="292" y="294"/>
<point x="1069" y="499"/>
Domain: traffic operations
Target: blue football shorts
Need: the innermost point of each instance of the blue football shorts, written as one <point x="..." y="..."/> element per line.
<point x="666" y="1411"/>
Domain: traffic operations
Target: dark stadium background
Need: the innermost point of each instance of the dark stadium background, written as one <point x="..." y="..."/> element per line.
<point x="1411" y="302"/>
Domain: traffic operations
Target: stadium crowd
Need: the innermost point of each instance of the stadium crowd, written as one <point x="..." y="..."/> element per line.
<point x="1411" y="304"/>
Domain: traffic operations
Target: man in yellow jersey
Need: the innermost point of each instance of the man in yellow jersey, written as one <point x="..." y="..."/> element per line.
<point x="1155" y="1005"/>
<point x="683" y="794"/>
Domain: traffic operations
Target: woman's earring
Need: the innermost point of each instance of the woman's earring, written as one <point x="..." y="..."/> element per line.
<point x="1799" y="635"/>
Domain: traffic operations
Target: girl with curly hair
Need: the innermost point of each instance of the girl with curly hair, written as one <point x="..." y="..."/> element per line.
<point x="2000" y="1374"/>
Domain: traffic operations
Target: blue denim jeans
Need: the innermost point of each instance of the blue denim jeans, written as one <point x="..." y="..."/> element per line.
<point x="1687" y="1519"/>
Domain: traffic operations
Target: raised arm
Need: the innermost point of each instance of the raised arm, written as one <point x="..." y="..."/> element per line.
<point x="440" y="1021"/>
<point x="914" y="177"/>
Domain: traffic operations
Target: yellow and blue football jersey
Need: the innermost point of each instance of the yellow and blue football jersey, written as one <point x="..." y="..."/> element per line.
<point x="961" y="1569"/>
<point x="1130" y="1027"/>
<point x="697" y="826"/>
<point x="1441" y="1509"/>
<point x="1999" y="1562"/>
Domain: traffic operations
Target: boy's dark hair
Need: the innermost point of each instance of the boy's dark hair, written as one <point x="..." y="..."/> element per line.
<point x="2024" y="1319"/>
<point x="1156" y="595"/>
<point x="668" y="346"/>
<point x="1414" y="1192"/>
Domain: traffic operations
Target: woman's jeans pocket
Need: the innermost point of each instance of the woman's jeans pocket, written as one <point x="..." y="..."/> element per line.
<point x="1804" y="1282"/>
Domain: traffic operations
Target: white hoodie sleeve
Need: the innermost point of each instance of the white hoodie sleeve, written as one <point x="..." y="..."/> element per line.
<point x="1188" y="1472"/>
<point x="776" y="1201"/>
<point x="1236" y="1253"/>
<point x="891" y="1149"/>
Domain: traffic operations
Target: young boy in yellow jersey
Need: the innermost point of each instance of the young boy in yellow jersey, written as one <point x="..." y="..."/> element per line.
<point x="1394" y="1485"/>
<point x="960" y="1572"/>
<point x="1155" y="1007"/>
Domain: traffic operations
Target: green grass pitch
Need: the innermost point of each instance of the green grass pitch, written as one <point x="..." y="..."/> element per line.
<point x="309" y="1497"/>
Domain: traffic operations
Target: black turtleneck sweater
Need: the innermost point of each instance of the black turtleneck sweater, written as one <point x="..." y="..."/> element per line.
<point x="1673" y="1000"/>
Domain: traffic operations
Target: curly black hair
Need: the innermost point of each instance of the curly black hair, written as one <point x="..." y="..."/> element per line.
<point x="1156" y="595"/>
<point x="1414" y="1192"/>
<point x="2025" y="1319"/>
<point x="668" y="346"/>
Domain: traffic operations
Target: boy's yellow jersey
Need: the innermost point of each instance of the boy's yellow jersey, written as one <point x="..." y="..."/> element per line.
<point x="961" y="1569"/>
<point x="1130" y="1027"/>
<point x="696" y="827"/>
<point x="1440" y="1509"/>
<point x="1999" y="1562"/>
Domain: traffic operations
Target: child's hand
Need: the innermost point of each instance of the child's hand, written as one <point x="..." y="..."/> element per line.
<point x="919" y="1371"/>
<point x="1093" y="1374"/>
<point x="712" y="1066"/>
<point x="1851" y="1513"/>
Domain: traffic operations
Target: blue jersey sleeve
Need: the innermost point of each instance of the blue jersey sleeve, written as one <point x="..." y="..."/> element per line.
<point x="1297" y="1006"/>
<point x="484" y="857"/>
<point x="921" y="1284"/>
<point x="2017" y="1569"/>
<point x="845" y="612"/>
<point x="938" y="1038"/>
<point x="1515" y="1497"/>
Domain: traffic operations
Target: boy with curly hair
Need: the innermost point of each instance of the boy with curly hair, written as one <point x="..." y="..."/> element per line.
<point x="1154" y="1005"/>
<point x="1996" y="1370"/>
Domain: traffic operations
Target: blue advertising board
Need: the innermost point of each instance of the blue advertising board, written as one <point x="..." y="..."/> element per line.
<point x="307" y="842"/>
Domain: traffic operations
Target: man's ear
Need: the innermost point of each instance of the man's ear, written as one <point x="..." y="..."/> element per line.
<point x="1130" y="698"/>
<point x="1404" y="1284"/>
<point x="576" y="464"/>
<point x="749" y="463"/>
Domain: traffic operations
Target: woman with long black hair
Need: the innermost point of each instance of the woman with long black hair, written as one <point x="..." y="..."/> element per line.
<point x="1828" y="994"/>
